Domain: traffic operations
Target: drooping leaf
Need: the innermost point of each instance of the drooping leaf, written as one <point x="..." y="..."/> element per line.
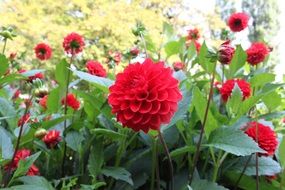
<point x="233" y="141"/>
<point x="118" y="173"/>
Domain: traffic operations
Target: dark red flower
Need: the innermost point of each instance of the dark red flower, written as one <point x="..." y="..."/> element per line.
<point x="34" y="77"/>
<point x="16" y="94"/>
<point x="197" y="45"/>
<point x="95" y="68"/>
<point x="73" y="43"/>
<point x="226" y="53"/>
<point x="43" y="51"/>
<point x="24" y="119"/>
<point x="52" y="138"/>
<point x="266" y="138"/>
<point x="257" y="53"/>
<point x="178" y="66"/>
<point x="227" y="88"/>
<point x="33" y="170"/>
<point x="71" y="101"/>
<point x="12" y="56"/>
<point x="193" y="34"/>
<point x="134" y="51"/>
<point x="238" y="22"/>
<point x="144" y="96"/>
<point x="43" y="102"/>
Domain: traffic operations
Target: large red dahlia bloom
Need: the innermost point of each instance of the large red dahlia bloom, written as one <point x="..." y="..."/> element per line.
<point x="238" y="22"/>
<point x="71" y="101"/>
<point x="228" y="86"/>
<point x="257" y="53"/>
<point x="73" y="43"/>
<point x="52" y="138"/>
<point x="144" y="96"/>
<point x="43" y="51"/>
<point x="226" y="53"/>
<point x="264" y="135"/>
<point x="95" y="68"/>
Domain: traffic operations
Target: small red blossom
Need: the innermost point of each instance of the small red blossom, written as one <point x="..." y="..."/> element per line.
<point x="193" y="34"/>
<point x="71" y="101"/>
<point x="12" y="56"/>
<point x="24" y="119"/>
<point x="197" y="45"/>
<point x="144" y="96"/>
<point x="43" y="51"/>
<point x="178" y="66"/>
<point x="43" y="101"/>
<point x="73" y="43"/>
<point x="134" y="51"/>
<point x="34" y="77"/>
<point x="95" y="68"/>
<point x="257" y="53"/>
<point x="266" y="138"/>
<point x="238" y="22"/>
<point x="228" y="86"/>
<point x="52" y="138"/>
<point x="115" y="56"/>
<point x="226" y="53"/>
<point x="16" y="94"/>
<point x="33" y="170"/>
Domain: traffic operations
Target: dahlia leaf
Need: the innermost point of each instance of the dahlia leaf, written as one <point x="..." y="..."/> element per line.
<point x="168" y="29"/>
<point x="272" y="100"/>
<point x="281" y="152"/>
<point x="61" y="72"/>
<point x="3" y="64"/>
<point x="53" y="101"/>
<point x="191" y="51"/>
<point x="118" y="173"/>
<point x="261" y="79"/>
<point x="182" y="150"/>
<point x="38" y="181"/>
<point x="233" y="141"/>
<point x="204" y="184"/>
<point x="96" y="159"/>
<point x="32" y="72"/>
<point x="73" y="140"/>
<point x="266" y="166"/>
<point x="108" y="133"/>
<point x="205" y="60"/>
<point x="7" y="110"/>
<point x="237" y="62"/>
<point x="6" y="144"/>
<point x="235" y="100"/>
<point x="11" y="78"/>
<point x="172" y="48"/>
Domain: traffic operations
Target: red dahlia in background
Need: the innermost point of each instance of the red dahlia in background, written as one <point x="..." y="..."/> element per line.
<point x="266" y="138"/>
<point x="73" y="43"/>
<point x="34" y="77"/>
<point x="226" y="53"/>
<point x="228" y="86"/>
<point x="71" y="101"/>
<point x="134" y="51"/>
<point x="52" y="138"/>
<point x="95" y="68"/>
<point x="178" y="66"/>
<point x="238" y="22"/>
<point x="193" y="34"/>
<point x="257" y="53"/>
<point x="43" y="51"/>
<point x="43" y="102"/>
<point x="144" y="96"/>
<point x="24" y="119"/>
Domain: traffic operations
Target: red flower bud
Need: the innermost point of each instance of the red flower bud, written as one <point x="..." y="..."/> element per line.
<point x="226" y="53"/>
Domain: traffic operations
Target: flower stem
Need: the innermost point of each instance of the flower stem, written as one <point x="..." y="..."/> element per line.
<point x="65" y="121"/>
<point x="4" y="47"/>
<point x="144" y="44"/>
<point x="168" y="157"/>
<point x="154" y="163"/>
<point x="256" y="159"/>
<point x="196" y="156"/>
<point x="18" y="142"/>
<point x="243" y="170"/>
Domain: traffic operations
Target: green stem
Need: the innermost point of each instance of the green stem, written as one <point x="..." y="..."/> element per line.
<point x="154" y="161"/>
<point x="4" y="47"/>
<point x="144" y="44"/>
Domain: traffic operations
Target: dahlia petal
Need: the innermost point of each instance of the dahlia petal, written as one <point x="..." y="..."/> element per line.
<point x="155" y="120"/>
<point x="124" y="105"/>
<point x="137" y="118"/>
<point x="155" y="107"/>
<point x="146" y="119"/>
<point x="164" y="108"/>
<point x="152" y="96"/>
<point x="145" y="107"/>
<point x="142" y="95"/>
<point x="135" y="105"/>
<point x="162" y="95"/>
<point x="128" y="114"/>
<point x="166" y="118"/>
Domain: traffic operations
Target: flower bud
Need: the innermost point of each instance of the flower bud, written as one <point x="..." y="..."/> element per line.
<point x="178" y="66"/>
<point x="226" y="53"/>
<point x="40" y="133"/>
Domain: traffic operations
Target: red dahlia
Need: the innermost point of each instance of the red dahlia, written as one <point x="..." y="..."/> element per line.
<point x="43" y="102"/>
<point x="34" y="77"/>
<point x="95" y="68"/>
<point x="193" y="34"/>
<point x="144" y="96"/>
<point x="178" y="66"/>
<point x="43" y="51"/>
<point x="52" y="138"/>
<point x="73" y="43"/>
<point x="24" y="119"/>
<point x="257" y="53"/>
<point x="238" y="22"/>
<point x="264" y="135"/>
<point x="71" y="101"/>
<point x="226" y="53"/>
<point x="228" y="86"/>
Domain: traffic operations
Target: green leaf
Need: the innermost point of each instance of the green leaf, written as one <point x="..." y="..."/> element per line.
<point x="24" y="165"/>
<point x="237" y="62"/>
<point x="3" y="64"/>
<point x="281" y="152"/>
<point x="108" y="133"/>
<point x="32" y="72"/>
<point x="7" y="110"/>
<point x="182" y="150"/>
<point x="118" y="173"/>
<point x="273" y="115"/>
<point x="168" y="29"/>
<point x="100" y="82"/>
<point x="206" y="185"/>
<point x="150" y="45"/>
<point x="95" y="186"/>
<point x="200" y="104"/>
<point x="235" y="100"/>
<point x="191" y="51"/>
<point x="61" y="72"/>
<point x="172" y="48"/>
<point x="261" y="79"/>
<point x="96" y="158"/>
<point x="6" y="144"/>
<point x="53" y="101"/>
<point x="204" y="59"/>
<point x="11" y="78"/>
<point x="233" y="141"/>
<point x="266" y="166"/>
<point x="73" y="140"/>
<point x="272" y="100"/>
<point x="36" y="180"/>
<point x="25" y="187"/>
